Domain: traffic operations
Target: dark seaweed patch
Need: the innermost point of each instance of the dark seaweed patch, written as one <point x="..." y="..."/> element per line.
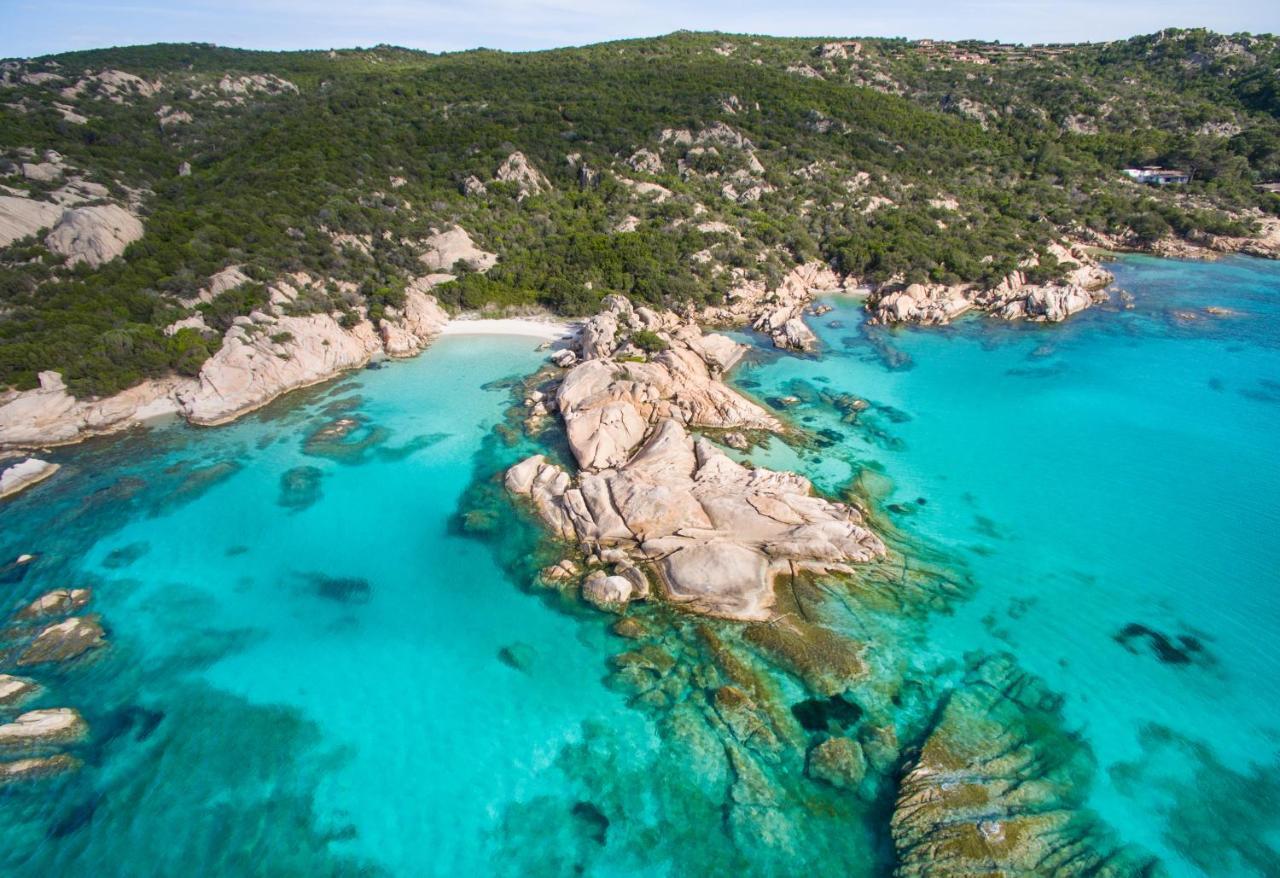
<point x="835" y="715"/>
<point x="300" y="487"/>
<point x="517" y="655"/>
<point x="76" y="819"/>
<point x="592" y="820"/>
<point x="126" y="555"/>
<point x="1182" y="649"/>
<point x="341" y="589"/>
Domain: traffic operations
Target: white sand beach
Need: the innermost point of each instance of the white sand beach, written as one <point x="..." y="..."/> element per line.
<point x="551" y="330"/>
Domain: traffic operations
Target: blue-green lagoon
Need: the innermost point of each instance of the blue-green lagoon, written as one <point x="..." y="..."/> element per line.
<point x="326" y="657"/>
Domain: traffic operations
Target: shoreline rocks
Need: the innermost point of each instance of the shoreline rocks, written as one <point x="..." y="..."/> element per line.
<point x="263" y="356"/>
<point x="1014" y="298"/>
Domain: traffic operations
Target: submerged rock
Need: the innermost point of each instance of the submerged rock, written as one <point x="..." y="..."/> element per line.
<point x="838" y="762"/>
<point x="63" y="641"/>
<point x="517" y="655"/>
<point x="999" y="788"/>
<point x="37" y="767"/>
<point x="15" y="690"/>
<point x="300" y="487"/>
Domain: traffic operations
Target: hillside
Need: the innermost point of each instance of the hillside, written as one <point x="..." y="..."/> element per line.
<point x="670" y="169"/>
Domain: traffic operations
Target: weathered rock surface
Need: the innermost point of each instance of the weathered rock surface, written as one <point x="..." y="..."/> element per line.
<point x="58" y="602"/>
<point x="20" y="217"/>
<point x="49" y="415"/>
<point x="442" y="250"/>
<point x="63" y="641"/>
<point x="609" y="405"/>
<point x="713" y="531"/>
<point x="406" y="331"/>
<point x="95" y="234"/>
<point x="39" y="727"/>
<point x="258" y="361"/>
<point x="21" y="476"/>
<point x="998" y="789"/>
<point x="15" y="690"/>
<point x="610" y="593"/>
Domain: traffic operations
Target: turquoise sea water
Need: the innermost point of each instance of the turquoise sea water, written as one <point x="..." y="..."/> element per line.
<point x="314" y="671"/>
<point x="1120" y="469"/>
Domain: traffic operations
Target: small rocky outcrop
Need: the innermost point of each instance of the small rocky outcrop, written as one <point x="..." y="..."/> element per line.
<point x="442" y="250"/>
<point x="95" y="234"/>
<point x="63" y="641"/>
<point x="37" y="728"/>
<point x="59" y="602"/>
<point x="20" y="476"/>
<point x="37" y="767"/>
<point x="406" y="331"/>
<point x="517" y="169"/>
<point x="646" y="162"/>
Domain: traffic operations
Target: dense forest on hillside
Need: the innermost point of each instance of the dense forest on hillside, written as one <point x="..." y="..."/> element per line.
<point x="674" y="167"/>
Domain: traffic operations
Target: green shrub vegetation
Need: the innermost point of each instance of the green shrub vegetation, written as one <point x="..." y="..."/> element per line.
<point x="974" y="167"/>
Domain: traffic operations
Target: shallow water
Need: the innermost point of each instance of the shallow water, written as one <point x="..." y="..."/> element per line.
<point x="1116" y="471"/>
<point x="313" y="670"/>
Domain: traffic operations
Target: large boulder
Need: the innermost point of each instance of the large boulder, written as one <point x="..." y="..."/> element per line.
<point x="59" y="602"/>
<point x="95" y="234"/>
<point x="21" y="476"/>
<point x="610" y="593"/>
